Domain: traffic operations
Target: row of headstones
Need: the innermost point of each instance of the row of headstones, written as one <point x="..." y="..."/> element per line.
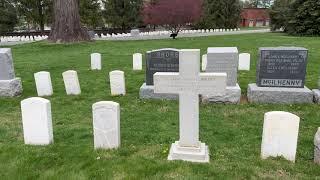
<point x="279" y="137"/>
<point x="158" y="33"/>
<point x="244" y="61"/>
<point x="72" y="85"/>
<point x="38" y="129"/>
<point x="22" y="38"/>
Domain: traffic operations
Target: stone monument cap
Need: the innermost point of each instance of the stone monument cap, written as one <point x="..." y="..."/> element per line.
<point x="222" y="49"/>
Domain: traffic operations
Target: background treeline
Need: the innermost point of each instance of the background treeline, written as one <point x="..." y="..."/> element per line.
<point x="296" y="17"/>
<point x="299" y="17"/>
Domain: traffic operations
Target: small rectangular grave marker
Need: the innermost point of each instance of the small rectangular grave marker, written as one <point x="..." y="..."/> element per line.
<point x="137" y="61"/>
<point x="106" y="125"/>
<point x="95" y="61"/>
<point x="37" y="121"/>
<point x="117" y="83"/>
<point x="244" y="61"/>
<point x="71" y="82"/>
<point x="204" y="62"/>
<point x="280" y="135"/>
<point x="43" y="83"/>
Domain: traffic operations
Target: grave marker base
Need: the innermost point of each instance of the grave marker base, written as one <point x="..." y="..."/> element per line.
<point x="10" y="88"/>
<point x="232" y="96"/>
<point x="316" y="96"/>
<point x="147" y="92"/>
<point x="192" y="154"/>
<point x="279" y="95"/>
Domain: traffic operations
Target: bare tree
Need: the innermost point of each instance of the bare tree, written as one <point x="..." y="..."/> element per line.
<point x="66" y="25"/>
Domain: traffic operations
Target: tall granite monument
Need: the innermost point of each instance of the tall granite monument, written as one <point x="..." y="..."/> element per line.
<point x="224" y="60"/>
<point x="161" y="60"/>
<point x="10" y="86"/>
<point x="280" y="76"/>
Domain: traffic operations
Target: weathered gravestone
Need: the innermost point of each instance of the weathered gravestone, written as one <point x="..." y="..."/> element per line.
<point x="117" y="83"/>
<point x="280" y="76"/>
<point x="95" y="61"/>
<point x="244" y="62"/>
<point x="189" y="83"/>
<point x="106" y="125"/>
<point x="280" y="135"/>
<point x="224" y="59"/>
<point x="317" y="147"/>
<point x="71" y="82"/>
<point x="43" y="83"/>
<point x="137" y="61"/>
<point x="162" y="60"/>
<point x="37" y="121"/>
<point x="9" y="85"/>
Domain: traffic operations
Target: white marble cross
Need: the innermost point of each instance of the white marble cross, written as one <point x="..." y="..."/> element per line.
<point x="189" y="83"/>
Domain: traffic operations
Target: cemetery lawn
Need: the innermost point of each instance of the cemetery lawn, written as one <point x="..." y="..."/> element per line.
<point x="148" y="127"/>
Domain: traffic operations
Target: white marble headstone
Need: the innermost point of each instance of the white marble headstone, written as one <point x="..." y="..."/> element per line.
<point x="37" y="121"/>
<point x="117" y="83"/>
<point x="280" y="135"/>
<point x="43" y="83"/>
<point x="106" y="125"/>
<point x="204" y="62"/>
<point x="137" y="61"/>
<point x="244" y="61"/>
<point x="95" y="61"/>
<point x="71" y="82"/>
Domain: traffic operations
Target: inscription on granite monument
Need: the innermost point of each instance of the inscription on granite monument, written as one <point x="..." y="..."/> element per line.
<point x="282" y="67"/>
<point x="162" y="60"/>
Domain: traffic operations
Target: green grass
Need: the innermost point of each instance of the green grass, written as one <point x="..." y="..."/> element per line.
<point x="148" y="127"/>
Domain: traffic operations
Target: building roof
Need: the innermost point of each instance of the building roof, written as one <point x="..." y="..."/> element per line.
<point x="255" y="13"/>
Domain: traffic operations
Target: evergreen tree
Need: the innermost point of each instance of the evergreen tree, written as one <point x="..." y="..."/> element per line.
<point x="279" y="14"/>
<point x="91" y="13"/>
<point x="258" y="3"/>
<point x="304" y="17"/>
<point x="297" y="17"/>
<point x="37" y="13"/>
<point x="8" y="16"/>
<point x="123" y="13"/>
<point x="220" y="14"/>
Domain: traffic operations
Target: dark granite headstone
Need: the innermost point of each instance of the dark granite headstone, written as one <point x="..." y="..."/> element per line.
<point x="282" y="67"/>
<point x="162" y="60"/>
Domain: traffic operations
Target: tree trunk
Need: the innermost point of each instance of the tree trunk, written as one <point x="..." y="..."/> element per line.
<point x="41" y="16"/>
<point x="66" y="25"/>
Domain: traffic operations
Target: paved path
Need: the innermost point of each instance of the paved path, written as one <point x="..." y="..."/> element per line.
<point x="183" y="35"/>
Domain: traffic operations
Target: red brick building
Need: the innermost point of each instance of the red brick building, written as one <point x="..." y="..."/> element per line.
<point x="255" y="17"/>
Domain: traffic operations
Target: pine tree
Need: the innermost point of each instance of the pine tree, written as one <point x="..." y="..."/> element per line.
<point x="123" y="13"/>
<point x="221" y="14"/>
<point x="8" y="16"/>
<point x="304" y="18"/>
<point x="91" y="13"/>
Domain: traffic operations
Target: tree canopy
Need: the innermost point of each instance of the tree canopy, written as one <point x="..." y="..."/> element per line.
<point x="123" y="13"/>
<point x="172" y="14"/>
<point x="8" y="16"/>
<point x="221" y="14"/>
<point x="297" y="17"/>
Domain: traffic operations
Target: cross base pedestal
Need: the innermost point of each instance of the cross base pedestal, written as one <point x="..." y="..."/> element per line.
<point x="192" y="154"/>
